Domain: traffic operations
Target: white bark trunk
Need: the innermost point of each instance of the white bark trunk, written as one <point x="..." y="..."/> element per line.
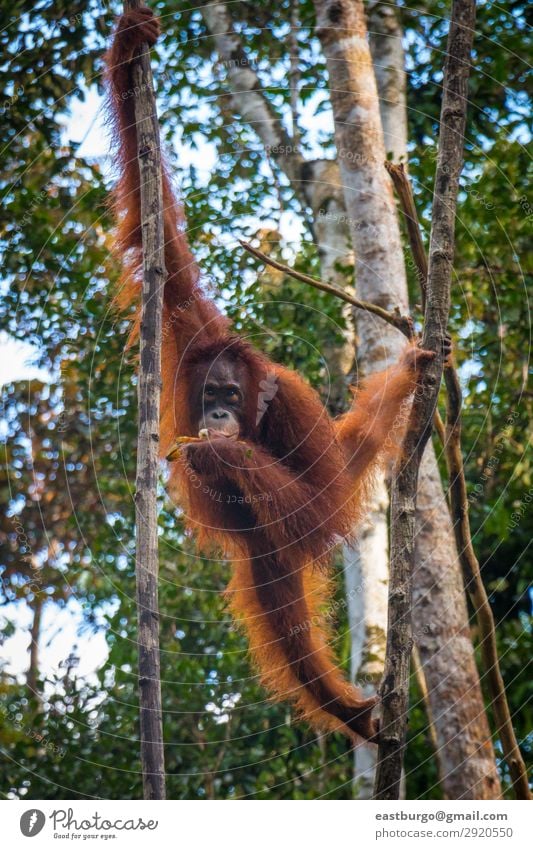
<point x="380" y="276"/>
<point x="387" y="51"/>
<point x="324" y="194"/>
<point x="366" y="575"/>
<point x="371" y="558"/>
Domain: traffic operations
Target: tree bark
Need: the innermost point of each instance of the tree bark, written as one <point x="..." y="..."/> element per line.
<point x="449" y="165"/>
<point x="360" y="149"/>
<point x="366" y="576"/>
<point x="35" y="631"/>
<point x="386" y="47"/>
<point x="442" y="636"/>
<point x="369" y="556"/>
<point x="435" y="544"/>
<point x="149" y="387"/>
<point x="380" y="277"/>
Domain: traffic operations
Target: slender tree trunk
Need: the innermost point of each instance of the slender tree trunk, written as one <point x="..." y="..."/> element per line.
<point x="366" y="575"/>
<point x="35" y="631"/>
<point x="369" y="557"/>
<point x="386" y="47"/>
<point x="147" y="554"/>
<point x="380" y="277"/>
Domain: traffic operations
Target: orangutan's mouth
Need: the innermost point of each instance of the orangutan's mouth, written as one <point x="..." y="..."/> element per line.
<point x="230" y="432"/>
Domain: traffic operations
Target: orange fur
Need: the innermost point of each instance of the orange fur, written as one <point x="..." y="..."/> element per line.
<point x="278" y="503"/>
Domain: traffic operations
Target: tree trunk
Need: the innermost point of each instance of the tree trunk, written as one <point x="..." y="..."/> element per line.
<point x="323" y="191"/>
<point x="366" y="576"/>
<point x="387" y="51"/>
<point x="380" y="277"/>
<point x="395" y="689"/>
<point x="35" y="630"/>
<point x="149" y="391"/>
<point x="442" y="635"/>
<point x="369" y="558"/>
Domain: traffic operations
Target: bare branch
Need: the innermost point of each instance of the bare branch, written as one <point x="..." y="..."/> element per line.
<point x="404" y="191"/>
<point x="403" y="323"/>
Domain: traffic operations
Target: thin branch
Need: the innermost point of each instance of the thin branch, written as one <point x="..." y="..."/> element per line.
<point x="404" y="190"/>
<point x="403" y="323"/>
<point x="405" y="194"/>
<point x="147" y="556"/>
<point x="451" y="440"/>
<point x="395" y="688"/>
